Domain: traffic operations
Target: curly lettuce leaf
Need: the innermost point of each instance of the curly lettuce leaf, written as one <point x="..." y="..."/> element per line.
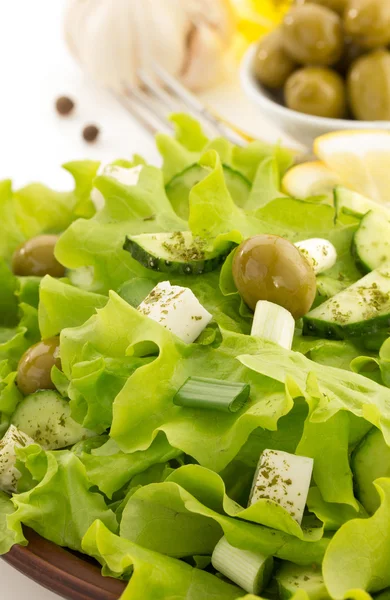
<point x="10" y="396"/>
<point x="144" y="404"/>
<point x="61" y="506"/>
<point x="208" y="487"/>
<point x="332" y="515"/>
<point x="11" y="235"/>
<point x="266" y="184"/>
<point x="8" y="536"/>
<point x="98" y="242"/>
<point x="110" y="469"/>
<point x="335" y="389"/>
<point x="327" y="443"/>
<point x="152" y="575"/>
<point x="14" y="341"/>
<point x="194" y="498"/>
<point x="357" y="557"/>
<point x="62" y="305"/>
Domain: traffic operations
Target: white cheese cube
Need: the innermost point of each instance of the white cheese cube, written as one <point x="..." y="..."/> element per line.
<point x="284" y="478"/>
<point x="321" y="253"/>
<point x="121" y="174"/>
<point x="9" y="474"/>
<point x="178" y="309"/>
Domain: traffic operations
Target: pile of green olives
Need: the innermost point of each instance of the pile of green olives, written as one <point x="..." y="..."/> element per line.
<point x="331" y="59"/>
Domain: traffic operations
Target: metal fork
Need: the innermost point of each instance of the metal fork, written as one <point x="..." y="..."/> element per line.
<point x="161" y="93"/>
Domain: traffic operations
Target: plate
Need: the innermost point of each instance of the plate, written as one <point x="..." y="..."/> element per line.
<point x="70" y="575"/>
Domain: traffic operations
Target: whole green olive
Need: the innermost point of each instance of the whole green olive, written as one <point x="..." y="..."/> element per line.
<point x="36" y="257"/>
<point x="368" y="87"/>
<point x="337" y="6"/>
<point x="272" y="65"/>
<point x="313" y="35"/>
<point x="316" y="91"/>
<point x="367" y="22"/>
<point x="34" y="368"/>
<point x="268" y="267"/>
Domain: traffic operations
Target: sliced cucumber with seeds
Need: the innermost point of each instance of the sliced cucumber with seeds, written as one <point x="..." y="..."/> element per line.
<point x="371" y="243"/>
<point x="178" y="189"/>
<point x="45" y="416"/>
<point x="360" y="310"/>
<point x="291" y="578"/>
<point x="177" y="252"/>
<point x="370" y="460"/>
<point x="354" y="204"/>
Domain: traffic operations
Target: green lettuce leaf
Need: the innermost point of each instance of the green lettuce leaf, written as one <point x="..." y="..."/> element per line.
<point x="110" y="469"/>
<point x="332" y="515"/>
<point x="144" y="404"/>
<point x="335" y="389"/>
<point x="62" y="305"/>
<point x="152" y="575"/>
<point x="10" y="396"/>
<point x="98" y="242"/>
<point x="61" y="506"/>
<point x="358" y="556"/>
<point x="8" y="299"/>
<point x="327" y="443"/>
<point x="8" y="536"/>
<point x="194" y="498"/>
<point x="14" y="341"/>
<point x="11" y="235"/>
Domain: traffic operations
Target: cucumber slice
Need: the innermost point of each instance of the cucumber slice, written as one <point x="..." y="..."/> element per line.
<point x="370" y="460"/>
<point x="371" y="243"/>
<point x="354" y="204"/>
<point x="175" y="252"/>
<point x="291" y="578"/>
<point x="178" y="189"/>
<point x="360" y="310"/>
<point x="45" y="417"/>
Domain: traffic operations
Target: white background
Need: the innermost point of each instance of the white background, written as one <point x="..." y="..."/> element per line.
<point x="35" y="68"/>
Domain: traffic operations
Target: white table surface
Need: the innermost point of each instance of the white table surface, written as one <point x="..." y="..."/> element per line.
<point x="35" y="68"/>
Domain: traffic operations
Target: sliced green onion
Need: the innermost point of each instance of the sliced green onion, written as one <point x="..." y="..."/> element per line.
<point x="273" y="323"/>
<point x="249" y="570"/>
<point x="214" y="394"/>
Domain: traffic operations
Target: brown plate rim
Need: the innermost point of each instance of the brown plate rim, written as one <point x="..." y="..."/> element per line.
<point x="61" y="571"/>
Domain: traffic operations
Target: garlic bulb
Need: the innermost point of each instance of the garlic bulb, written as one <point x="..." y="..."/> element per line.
<point x="189" y="38"/>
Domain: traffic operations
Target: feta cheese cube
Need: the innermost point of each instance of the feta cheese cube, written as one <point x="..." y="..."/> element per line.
<point x="9" y="474"/>
<point x="121" y="174"/>
<point x="321" y="253"/>
<point x="178" y="309"/>
<point x="285" y="479"/>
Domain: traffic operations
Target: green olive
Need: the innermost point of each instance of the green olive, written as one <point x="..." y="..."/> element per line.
<point x="369" y="87"/>
<point x="313" y="35"/>
<point x="272" y="65"/>
<point x="316" y="91"/>
<point x="268" y="267"/>
<point x="34" y="368"/>
<point x="367" y="22"/>
<point x="337" y="6"/>
<point x="36" y="257"/>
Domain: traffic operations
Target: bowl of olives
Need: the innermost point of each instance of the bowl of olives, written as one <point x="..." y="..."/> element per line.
<point x="325" y="68"/>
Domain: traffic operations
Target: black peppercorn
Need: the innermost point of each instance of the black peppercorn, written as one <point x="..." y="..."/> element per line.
<point x="90" y="133"/>
<point x="64" y="105"/>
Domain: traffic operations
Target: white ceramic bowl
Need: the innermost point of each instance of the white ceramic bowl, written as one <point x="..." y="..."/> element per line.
<point x="301" y="127"/>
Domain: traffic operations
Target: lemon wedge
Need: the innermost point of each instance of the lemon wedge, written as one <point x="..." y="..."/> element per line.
<point x="309" y="179"/>
<point x="361" y="159"/>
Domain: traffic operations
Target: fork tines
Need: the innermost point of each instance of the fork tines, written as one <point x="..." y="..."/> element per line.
<point x="160" y="94"/>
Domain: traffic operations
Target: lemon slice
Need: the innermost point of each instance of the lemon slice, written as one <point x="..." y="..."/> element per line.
<point x="309" y="179"/>
<point x="361" y="159"/>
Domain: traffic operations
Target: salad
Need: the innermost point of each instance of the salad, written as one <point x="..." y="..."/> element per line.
<point x="194" y="375"/>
